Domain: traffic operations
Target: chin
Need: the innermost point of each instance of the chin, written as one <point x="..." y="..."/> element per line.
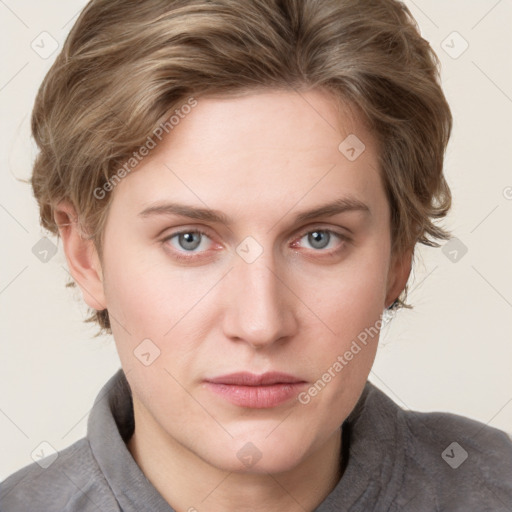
<point x="258" y="456"/>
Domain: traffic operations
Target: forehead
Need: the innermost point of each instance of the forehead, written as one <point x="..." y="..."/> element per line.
<point x="263" y="150"/>
<point x="301" y="120"/>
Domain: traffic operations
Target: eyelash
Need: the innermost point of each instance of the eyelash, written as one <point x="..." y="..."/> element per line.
<point x="179" y="254"/>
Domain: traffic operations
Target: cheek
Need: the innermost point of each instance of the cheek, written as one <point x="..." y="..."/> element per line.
<point x="349" y="297"/>
<point x="165" y="305"/>
<point x="344" y="348"/>
<point x="346" y="324"/>
<point x="148" y="296"/>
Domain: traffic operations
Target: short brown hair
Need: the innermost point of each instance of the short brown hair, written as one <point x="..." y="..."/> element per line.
<point x="127" y="64"/>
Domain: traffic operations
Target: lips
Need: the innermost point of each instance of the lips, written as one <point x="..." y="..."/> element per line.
<point x="252" y="379"/>
<point x="256" y="391"/>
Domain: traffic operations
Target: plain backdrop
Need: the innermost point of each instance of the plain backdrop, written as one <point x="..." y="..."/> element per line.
<point x="452" y="352"/>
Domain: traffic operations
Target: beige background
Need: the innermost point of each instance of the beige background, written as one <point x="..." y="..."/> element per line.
<point x="453" y="352"/>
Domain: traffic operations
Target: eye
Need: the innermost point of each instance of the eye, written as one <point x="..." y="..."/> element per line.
<point x="189" y="244"/>
<point x="187" y="241"/>
<point x="322" y="239"/>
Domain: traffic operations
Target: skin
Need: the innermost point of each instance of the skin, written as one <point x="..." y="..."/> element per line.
<point x="260" y="159"/>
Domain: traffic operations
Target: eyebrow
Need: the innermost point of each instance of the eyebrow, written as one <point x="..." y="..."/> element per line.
<point x="341" y="205"/>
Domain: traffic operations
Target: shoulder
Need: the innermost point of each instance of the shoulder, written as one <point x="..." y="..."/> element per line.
<point x="434" y="461"/>
<point x="71" y="482"/>
<point x="461" y="461"/>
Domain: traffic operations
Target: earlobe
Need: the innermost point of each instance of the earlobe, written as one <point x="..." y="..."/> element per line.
<point x="81" y="255"/>
<point x="398" y="276"/>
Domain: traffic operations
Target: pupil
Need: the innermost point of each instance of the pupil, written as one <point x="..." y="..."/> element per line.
<point x="315" y="239"/>
<point x="189" y="240"/>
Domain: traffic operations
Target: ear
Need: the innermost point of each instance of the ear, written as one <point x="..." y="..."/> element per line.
<point x="398" y="275"/>
<point x="83" y="260"/>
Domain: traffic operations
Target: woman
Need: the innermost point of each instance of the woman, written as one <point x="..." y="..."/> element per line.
<point x="239" y="188"/>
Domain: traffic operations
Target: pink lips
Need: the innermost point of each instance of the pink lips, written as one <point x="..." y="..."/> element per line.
<point x="256" y="391"/>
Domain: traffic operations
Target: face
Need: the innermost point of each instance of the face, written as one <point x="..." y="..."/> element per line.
<point x="259" y="287"/>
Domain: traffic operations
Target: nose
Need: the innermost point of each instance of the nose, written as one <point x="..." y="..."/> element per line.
<point x="259" y="305"/>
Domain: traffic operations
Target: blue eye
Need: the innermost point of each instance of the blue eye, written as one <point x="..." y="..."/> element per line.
<point x="319" y="239"/>
<point x="187" y="241"/>
<point x="188" y="245"/>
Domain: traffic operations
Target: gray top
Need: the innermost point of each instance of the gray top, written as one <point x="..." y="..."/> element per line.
<point x="397" y="460"/>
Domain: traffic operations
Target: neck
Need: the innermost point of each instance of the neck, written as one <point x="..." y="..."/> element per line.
<point x="188" y="483"/>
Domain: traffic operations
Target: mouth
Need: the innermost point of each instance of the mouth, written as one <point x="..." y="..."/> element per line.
<point x="256" y="391"/>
